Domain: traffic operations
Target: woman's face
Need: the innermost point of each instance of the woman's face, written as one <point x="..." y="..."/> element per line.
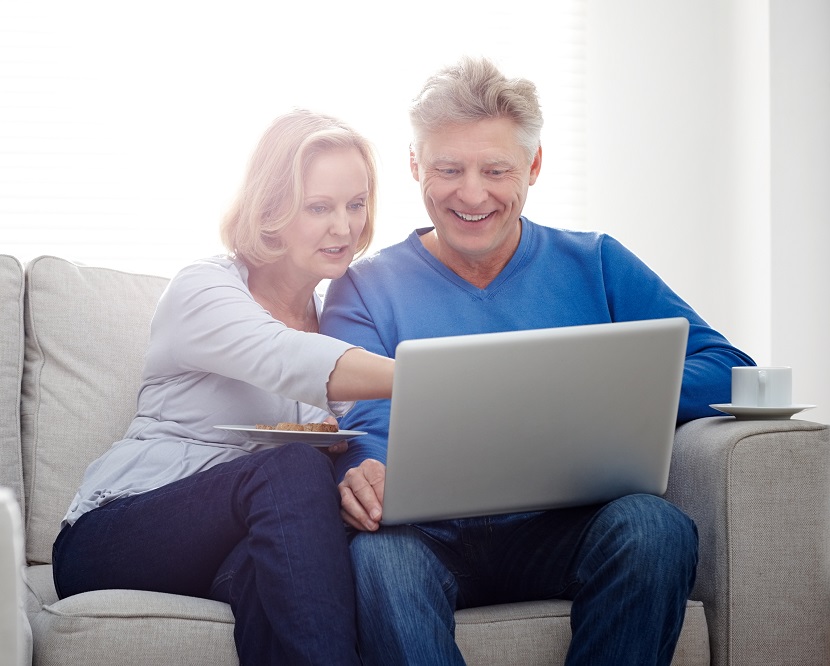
<point x="321" y="242"/>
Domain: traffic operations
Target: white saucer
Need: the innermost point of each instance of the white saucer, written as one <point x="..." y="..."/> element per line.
<point x="760" y="413"/>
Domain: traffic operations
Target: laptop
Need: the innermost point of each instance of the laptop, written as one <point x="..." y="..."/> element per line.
<point x="527" y="420"/>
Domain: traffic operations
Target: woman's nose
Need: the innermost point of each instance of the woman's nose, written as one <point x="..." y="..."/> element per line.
<point x="340" y="223"/>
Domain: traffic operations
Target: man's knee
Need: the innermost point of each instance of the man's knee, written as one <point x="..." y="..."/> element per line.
<point x="652" y="529"/>
<point x="392" y="548"/>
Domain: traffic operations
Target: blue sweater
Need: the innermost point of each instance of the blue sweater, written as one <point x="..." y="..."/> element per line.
<point x="555" y="278"/>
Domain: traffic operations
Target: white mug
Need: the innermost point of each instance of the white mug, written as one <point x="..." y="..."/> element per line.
<point x="762" y="386"/>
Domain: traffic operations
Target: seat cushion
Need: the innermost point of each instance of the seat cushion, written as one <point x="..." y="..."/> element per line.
<point x="86" y="333"/>
<point x="137" y="627"/>
<point x="127" y="627"/>
<point x="11" y="370"/>
<point x="534" y="633"/>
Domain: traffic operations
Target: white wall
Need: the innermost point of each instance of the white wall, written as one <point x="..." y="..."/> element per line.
<point x="800" y="201"/>
<point x="709" y="155"/>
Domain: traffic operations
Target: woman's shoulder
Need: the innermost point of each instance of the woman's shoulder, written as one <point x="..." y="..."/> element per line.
<point x="205" y="274"/>
<point x="212" y="270"/>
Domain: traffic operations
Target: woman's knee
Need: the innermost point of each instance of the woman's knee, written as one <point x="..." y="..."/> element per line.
<point x="295" y="460"/>
<point x="290" y="473"/>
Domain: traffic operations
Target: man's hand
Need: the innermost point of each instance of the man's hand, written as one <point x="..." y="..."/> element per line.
<point x="361" y="495"/>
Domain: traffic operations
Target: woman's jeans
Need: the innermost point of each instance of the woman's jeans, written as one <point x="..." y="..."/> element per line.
<point x="628" y="566"/>
<point x="262" y="533"/>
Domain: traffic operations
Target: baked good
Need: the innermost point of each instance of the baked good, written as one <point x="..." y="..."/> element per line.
<point x="300" y="427"/>
<point x="320" y="427"/>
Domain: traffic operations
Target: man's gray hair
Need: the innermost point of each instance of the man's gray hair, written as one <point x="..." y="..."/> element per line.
<point x="471" y="90"/>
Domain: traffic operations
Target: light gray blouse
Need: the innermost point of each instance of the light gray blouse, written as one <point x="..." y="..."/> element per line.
<point x="215" y="356"/>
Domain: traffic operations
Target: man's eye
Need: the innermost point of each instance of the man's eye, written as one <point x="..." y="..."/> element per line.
<point x="496" y="172"/>
<point x="449" y="171"/>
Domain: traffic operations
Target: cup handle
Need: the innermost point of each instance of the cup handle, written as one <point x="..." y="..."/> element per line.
<point x="762" y="388"/>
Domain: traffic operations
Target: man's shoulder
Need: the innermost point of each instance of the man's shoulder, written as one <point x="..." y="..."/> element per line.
<point x="567" y="234"/>
<point x="557" y="239"/>
<point x="384" y="259"/>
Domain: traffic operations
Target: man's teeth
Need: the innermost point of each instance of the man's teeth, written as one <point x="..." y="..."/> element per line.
<point x="471" y="218"/>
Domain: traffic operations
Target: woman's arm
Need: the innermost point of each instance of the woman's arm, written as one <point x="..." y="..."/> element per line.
<point x="361" y="375"/>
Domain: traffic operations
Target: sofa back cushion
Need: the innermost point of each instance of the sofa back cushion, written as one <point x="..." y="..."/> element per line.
<point x="11" y="369"/>
<point x="86" y="333"/>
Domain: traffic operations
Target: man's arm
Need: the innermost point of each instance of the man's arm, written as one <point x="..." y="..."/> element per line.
<point x="635" y="292"/>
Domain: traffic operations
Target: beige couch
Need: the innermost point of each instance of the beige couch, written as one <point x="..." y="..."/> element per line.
<point x="72" y="345"/>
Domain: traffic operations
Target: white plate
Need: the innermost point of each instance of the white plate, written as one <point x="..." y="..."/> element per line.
<point x="285" y="436"/>
<point x="760" y="413"/>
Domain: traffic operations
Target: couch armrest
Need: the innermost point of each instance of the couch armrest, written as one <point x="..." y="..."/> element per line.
<point x="759" y="492"/>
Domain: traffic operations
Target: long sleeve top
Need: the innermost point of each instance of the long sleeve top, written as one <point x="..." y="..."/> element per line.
<point x="555" y="278"/>
<point x="215" y="356"/>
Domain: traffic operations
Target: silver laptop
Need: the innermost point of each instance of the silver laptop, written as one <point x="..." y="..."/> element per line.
<point x="525" y="420"/>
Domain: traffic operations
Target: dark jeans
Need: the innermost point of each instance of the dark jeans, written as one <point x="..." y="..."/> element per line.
<point x="262" y="533"/>
<point x="628" y="566"/>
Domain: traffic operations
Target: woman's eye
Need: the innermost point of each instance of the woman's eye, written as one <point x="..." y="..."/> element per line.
<point x="317" y="209"/>
<point x="357" y="205"/>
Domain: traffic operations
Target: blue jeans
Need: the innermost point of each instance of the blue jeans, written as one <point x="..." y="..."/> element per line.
<point x="262" y="533"/>
<point x="628" y="566"/>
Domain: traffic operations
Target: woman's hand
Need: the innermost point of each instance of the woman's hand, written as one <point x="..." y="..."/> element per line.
<point x="361" y="495"/>
<point x="338" y="447"/>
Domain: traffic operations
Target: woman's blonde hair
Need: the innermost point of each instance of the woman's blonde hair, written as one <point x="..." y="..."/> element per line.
<point x="272" y="193"/>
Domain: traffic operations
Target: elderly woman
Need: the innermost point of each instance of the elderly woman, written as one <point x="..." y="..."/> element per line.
<point x="182" y="507"/>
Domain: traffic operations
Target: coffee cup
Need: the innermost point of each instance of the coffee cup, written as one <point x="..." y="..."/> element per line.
<point x="762" y="386"/>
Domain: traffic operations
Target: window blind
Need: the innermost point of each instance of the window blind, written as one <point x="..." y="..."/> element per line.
<point x="125" y="129"/>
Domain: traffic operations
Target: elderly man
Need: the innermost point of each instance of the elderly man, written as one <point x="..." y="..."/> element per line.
<point x="628" y="565"/>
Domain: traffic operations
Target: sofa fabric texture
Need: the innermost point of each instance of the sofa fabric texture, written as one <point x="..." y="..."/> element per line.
<point x="758" y="490"/>
<point x="86" y="330"/>
<point x="11" y="371"/>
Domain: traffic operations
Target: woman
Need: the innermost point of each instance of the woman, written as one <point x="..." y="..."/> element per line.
<point x="179" y="506"/>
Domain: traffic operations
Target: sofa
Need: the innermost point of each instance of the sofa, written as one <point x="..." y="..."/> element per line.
<point x="72" y="345"/>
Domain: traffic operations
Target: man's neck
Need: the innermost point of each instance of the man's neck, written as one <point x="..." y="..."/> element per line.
<point x="478" y="271"/>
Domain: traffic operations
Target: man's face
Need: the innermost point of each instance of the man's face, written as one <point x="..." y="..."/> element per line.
<point x="474" y="180"/>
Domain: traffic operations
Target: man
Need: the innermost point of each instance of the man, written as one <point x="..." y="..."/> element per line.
<point x="628" y="565"/>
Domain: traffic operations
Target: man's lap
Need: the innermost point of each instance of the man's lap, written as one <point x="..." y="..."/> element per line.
<point x="516" y="557"/>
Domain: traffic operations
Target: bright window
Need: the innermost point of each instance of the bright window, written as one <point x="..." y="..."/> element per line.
<point x="125" y="129"/>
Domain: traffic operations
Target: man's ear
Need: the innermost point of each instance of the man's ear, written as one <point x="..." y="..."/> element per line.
<point x="536" y="165"/>
<point x="413" y="163"/>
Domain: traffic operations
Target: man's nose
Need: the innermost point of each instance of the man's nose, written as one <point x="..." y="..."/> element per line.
<point x="472" y="189"/>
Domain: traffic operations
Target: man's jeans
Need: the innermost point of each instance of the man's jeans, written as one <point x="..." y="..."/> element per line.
<point x="628" y="566"/>
<point x="262" y="532"/>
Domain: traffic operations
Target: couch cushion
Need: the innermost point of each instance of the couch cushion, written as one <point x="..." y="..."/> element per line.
<point x="86" y="332"/>
<point x="534" y="633"/>
<point x="137" y="627"/>
<point x="132" y="627"/>
<point x="11" y="369"/>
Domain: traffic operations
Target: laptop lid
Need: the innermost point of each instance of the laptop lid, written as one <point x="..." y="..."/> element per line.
<point x="525" y="420"/>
